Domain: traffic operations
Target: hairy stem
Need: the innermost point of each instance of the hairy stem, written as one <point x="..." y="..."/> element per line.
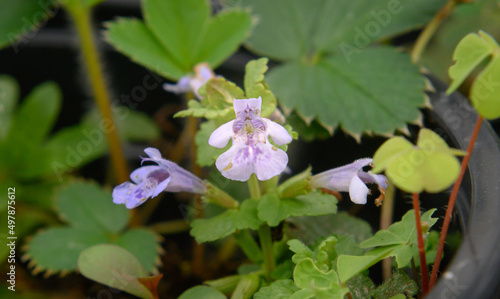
<point x="82" y="18"/>
<point x="386" y="214"/>
<point x="451" y="202"/>
<point x="429" y="30"/>
<point x="421" y="247"/>
<point x="266" y="242"/>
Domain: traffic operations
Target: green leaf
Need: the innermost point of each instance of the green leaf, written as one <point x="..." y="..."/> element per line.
<point x="360" y="287"/>
<point x="306" y="274"/>
<point x="398" y="283"/>
<point x="246" y="287"/>
<point x="469" y="53"/>
<point x="430" y="166"/>
<point x="308" y="229"/>
<point x="322" y="26"/>
<point x="223" y="35"/>
<point x="134" y="39"/>
<point x="85" y="205"/>
<point x="177" y="25"/>
<point x="197" y="109"/>
<point x="220" y="93"/>
<point x="37" y="114"/>
<point x="202" y="292"/>
<point x="300" y="249"/>
<point x="206" y="154"/>
<point x="9" y="95"/>
<point x="401" y="232"/>
<point x="39" y="194"/>
<point x="485" y="91"/>
<point x="18" y="18"/>
<point x="114" y="266"/>
<point x="349" y="266"/>
<point x="280" y="289"/>
<point x="143" y="244"/>
<point x="344" y="93"/>
<point x="273" y="210"/>
<point x="255" y="86"/>
<point x="57" y="249"/>
<point x="431" y="245"/>
<point x="224" y="224"/>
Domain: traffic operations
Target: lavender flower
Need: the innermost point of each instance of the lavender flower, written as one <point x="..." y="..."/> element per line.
<point x="350" y="178"/>
<point x="251" y="151"/>
<point x="203" y="73"/>
<point x="149" y="181"/>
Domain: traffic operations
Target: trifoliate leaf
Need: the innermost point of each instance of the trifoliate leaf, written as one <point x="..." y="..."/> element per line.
<point x="280" y="289"/>
<point x="430" y="166"/>
<point x="273" y="210"/>
<point x="114" y="266"/>
<point x="469" y="53"/>
<point x="85" y="205"/>
<point x="485" y="91"/>
<point x="224" y="224"/>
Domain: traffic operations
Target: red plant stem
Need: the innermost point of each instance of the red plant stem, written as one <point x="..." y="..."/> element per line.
<point x="451" y="203"/>
<point x="421" y="248"/>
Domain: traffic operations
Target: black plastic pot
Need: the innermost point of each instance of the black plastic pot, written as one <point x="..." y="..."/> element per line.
<point x="475" y="269"/>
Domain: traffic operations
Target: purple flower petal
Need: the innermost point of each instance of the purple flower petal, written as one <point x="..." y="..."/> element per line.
<point x="220" y="137"/>
<point x="358" y="191"/>
<point x="269" y="161"/>
<point x="241" y="105"/>
<point x="278" y="133"/>
<point x="236" y="163"/>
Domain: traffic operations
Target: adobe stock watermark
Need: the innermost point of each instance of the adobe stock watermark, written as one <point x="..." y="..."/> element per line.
<point x="95" y="137"/>
<point x="365" y="35"/>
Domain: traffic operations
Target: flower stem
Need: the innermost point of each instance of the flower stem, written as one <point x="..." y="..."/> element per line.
<point x="429" y="30"/>
<point x="266" y="242"/>
<point x="421" y="248"/>
<point x="82" y="18"/>
<point x="451" y="202"/>
<point x="386" y="214"/>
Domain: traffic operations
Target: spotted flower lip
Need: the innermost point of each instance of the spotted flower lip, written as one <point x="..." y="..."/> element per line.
<point x="251" y="151"/>
<point x="351" y="178"/>
<point x="189" y="83"/>
<point x="149" y="181"/>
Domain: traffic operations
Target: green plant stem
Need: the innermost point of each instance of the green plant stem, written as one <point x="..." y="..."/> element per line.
<point x="386" y="215"/>
<point x="170" y="227"/>
<point x="266" y="242"/>
<point x="421" y="247"/>
<point x="81" y="16"/>
<point x="451" y="203"/>
<point x="429" y="30"/>
<point x="415" y="276"/>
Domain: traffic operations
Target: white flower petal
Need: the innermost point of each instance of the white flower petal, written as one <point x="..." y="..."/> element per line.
<point x="269" y="161"/>
<point x="220" y="137"/>
<point x="236" y="163"/>
<point x="358" y="191"/>
<point x="182" y="85"/>
<point x="241" y="105"/>
<point x="153" y="153"/>
<point x="141" y="173"/>
<point x="278" y="133"/>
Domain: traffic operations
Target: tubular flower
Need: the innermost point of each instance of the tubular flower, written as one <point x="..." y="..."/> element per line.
<point x="251" y="151"/>
<point x="149" y="181"/>
<point x="203" y="73"/>
<point x="351" y="178"/>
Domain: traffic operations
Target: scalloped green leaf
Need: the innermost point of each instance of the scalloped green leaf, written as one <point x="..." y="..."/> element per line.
<point x="316" y="27"/>
<point x="256" y="86"/>
<point x="401" y="232"/>
<point x="273" y="210"/>
<point x="18" y="18"/>
<point x="115" y="267"/>
<point x="469" y="53"/>
<point x="224" y="224"/>
<point x="338" y="92"/>
<point x="37" y="113"/>
<point x="202" y="292"/>
<point x="9" y="95"/>
<point x="197" y="109"/>
<point x="206" y="154"/>
<point x="132" y="38"/>
<point x="280" y="289"/>
<point x="485" y="91"/>
<point x="306" y="274"/>
<point x="85" y="205"/>
<point x="143" y="244"/>
<point x="57" y="249"/>
<point x="430" y="166"/>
